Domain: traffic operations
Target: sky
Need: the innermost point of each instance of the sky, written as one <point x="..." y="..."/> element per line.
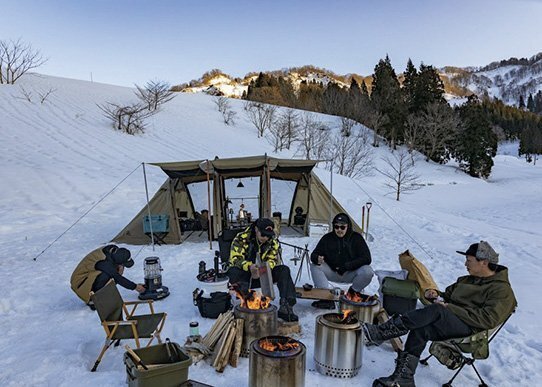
<point x="127" y="42"/>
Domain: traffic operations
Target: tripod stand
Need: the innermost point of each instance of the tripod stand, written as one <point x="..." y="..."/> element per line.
<point x="301" y="254"/>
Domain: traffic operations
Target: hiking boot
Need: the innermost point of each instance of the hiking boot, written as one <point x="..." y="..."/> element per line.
<point x="286" y="311"/>
<point x="403" y="376"/>
<point x="90" y="304"/>
<point x="377" y="334"/>
<point x="324" y="304"/>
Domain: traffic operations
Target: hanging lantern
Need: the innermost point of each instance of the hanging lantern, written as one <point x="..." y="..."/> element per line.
<point x="153" y="280"/>
<point x="240" y="184"/>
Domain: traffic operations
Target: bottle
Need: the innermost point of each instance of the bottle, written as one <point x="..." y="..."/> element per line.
<point x="194" y="328"/>
<point x="201" y="267"/>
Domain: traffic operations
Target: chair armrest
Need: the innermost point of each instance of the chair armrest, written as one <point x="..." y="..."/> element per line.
<point x="137" y="302"/>
<point x="127" y="322"/>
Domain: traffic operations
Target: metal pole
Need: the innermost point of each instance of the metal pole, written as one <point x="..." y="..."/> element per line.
<point x="369" y="205"/>
<point x="209" y="225"/>
<point x="330" y="197"/>
<point x="148" y="205"/>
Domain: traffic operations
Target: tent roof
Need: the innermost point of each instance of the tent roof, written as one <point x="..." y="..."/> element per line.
<point x="241" y="165"/>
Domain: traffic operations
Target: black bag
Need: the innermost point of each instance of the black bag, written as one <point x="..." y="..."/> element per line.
<point x="212" y="307"/>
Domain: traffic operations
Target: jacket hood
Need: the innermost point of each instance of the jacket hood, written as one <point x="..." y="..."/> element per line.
<point x="342" y="217"/>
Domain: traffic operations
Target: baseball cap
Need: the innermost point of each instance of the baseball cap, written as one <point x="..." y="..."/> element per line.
<point x="122" y="256"/>
<point x="266" y="227"/>
<point x="482" y="250"/>
<point x="341" y="219"/>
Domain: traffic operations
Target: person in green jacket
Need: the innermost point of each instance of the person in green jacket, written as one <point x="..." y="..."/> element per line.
<point x="479" y="301"/>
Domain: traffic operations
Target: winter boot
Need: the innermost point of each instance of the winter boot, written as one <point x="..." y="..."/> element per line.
<point x="403" y="376"/>
<point x="377" y="334"/>
<point x="286" y="311"/>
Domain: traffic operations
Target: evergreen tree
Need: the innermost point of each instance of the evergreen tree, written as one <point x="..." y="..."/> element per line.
<point x="530" y="103"/>
<point x="409" y="85"/>
<point x="521" y="102"/>
<point x="475" y="144"/>
<point x="387" y="98"/>
<point x="428" y="88"/>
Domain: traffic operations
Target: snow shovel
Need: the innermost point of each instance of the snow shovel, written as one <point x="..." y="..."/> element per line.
<point x="266" y="279"/>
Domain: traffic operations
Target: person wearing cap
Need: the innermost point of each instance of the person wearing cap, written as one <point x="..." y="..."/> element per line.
<point x="259" y="237"/>
<point x="343" y="256"/>
<point x="476" y="302"/>
<point x="98" y="267"/>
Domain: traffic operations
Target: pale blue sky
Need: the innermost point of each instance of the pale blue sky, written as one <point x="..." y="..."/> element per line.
<point x="132" y="41"/>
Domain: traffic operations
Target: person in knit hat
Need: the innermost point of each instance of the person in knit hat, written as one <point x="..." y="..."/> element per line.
<point x="98" y="267"/>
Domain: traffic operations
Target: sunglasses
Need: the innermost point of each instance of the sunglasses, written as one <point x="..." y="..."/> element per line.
<point x="339" y="227"/>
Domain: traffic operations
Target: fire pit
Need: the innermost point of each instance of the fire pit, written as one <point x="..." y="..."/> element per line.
<point x="365" y="306"/>
<point x="277" y="361"/>
<point x="260" y="318"/>
<point x="338" y="345"/>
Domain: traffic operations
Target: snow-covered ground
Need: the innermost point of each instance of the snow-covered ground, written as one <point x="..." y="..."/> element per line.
<point x="61" y="157"/>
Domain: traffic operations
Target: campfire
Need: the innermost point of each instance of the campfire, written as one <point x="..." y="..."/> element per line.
<point x="359" y="297"/>
<point x="280" y="345"/>
<point x="345" y="317"/>
<point x="277" y="361"/>
<point x="364" y="305"/>
<point x="253" y="300"/>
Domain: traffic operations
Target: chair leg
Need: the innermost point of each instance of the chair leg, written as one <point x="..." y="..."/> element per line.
<point x="449" y="384"/>
<point x="99" y="359"/>
<point x="424" y="360"/>
<point x="482" y="384"/>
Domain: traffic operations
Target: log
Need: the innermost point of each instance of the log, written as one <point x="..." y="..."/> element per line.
<point x="396" y="343"/>
<point x="238" y="342"/>
<point x="288" y="328"/>
<point x="217" y="329"/>
<point x="224" y="350"/>
<point x="219" y="346"/>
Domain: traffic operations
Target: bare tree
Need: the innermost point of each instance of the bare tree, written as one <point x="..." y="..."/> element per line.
<point x="224" y="107"/>
<point x="400" y="172"/>
<point x="154" y="94"/>
<point x="346" y="126"/>
<point x="352" y="155"/>
<point x="27" y="94"/>
<point x="129" y="119"/>
<point x="261" y="115"/>
<point x="375" y="120"/>
<point x="45" y="94"/>
<point x="17" y="58"/>
<point x="313" y="138"/>
<point x="439" y="126"/>
<point x="283" y="131"/>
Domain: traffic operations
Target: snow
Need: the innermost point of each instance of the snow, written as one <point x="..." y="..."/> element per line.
<point x="61" y="158"/>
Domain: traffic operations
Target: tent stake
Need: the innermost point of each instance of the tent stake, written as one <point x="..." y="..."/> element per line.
<point x="148" y="205"/>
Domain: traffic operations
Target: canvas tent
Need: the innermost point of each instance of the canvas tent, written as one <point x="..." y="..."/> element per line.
<point x="174" y="196"/>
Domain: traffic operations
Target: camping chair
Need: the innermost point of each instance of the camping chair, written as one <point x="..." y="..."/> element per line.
<point x="110" y="308"/>
<point x="452" y="353"/>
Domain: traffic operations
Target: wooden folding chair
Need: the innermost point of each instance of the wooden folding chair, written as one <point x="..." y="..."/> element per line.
<point x="456" y="353"/>
<point x="110" y="308"/>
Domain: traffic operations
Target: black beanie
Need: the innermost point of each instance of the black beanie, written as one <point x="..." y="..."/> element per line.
<point x="122" y="257"/>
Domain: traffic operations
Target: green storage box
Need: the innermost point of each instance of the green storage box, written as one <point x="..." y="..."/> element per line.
<point x="167" y="363"/>
<point x="400" y="296"/>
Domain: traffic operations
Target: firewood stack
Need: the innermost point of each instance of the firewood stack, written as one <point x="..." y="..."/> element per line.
<point x="225" y="339"/>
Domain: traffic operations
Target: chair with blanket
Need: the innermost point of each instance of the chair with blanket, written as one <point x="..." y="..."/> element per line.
<point x="456" y="353"/>
<point x="111" y="307"/>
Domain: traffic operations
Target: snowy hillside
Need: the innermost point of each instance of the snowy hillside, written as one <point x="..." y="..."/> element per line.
<point x="61" y="157"/>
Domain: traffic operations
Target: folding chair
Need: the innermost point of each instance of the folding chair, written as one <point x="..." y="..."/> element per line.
<point x="110" y="308"/>
<point x="456" y="353"/>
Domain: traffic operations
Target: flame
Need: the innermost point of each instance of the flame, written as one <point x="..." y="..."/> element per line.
<point x="346" y="314"/>
<point x="278" y="346"/>
<point x="354" y="297"/>
<point x="253" y="300"/>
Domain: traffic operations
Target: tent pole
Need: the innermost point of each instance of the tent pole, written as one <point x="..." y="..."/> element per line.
<point x="209" y="225"/>
<point x="330" y="197"/>
<point x="148" y="205"/>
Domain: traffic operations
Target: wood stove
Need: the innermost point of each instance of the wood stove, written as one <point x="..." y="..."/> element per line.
<point x="365" y="306"/>
<point x="338" y="345"/>
<point x="258" y="323"/>
<point x="277" y="361"/>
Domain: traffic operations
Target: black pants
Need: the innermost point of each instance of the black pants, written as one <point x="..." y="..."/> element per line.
<point x="281" y="276"/>
<point x="432" y="323"/>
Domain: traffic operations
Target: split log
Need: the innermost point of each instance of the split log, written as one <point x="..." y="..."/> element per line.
<point x="288" y="328"/>
<point x="396" y="342"/>
<point x="224" y="350"/>
<point x="238" y="342"/>
<point x="217" y="329"/>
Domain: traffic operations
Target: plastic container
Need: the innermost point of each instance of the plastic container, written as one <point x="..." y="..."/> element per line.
<point x="166" y="368"/>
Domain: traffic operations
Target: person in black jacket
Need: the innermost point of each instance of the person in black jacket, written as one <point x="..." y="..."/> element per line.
<point x="341" y="255"/>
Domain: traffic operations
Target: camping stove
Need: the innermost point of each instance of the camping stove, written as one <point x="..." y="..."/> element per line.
<point x="338" y="345"/>
<point x="277" y="361"/>
<point x="153" y="280"/>
<point x="258" y="323"/>
<point x="365" y="306"/>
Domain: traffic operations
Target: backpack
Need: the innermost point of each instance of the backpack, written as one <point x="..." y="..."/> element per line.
<point x="213" y="306"/>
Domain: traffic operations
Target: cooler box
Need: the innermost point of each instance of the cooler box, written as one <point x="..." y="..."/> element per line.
<point x="399" y="296"/>
<point x="166" y="368"/>
<point x="160" y="223"/>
